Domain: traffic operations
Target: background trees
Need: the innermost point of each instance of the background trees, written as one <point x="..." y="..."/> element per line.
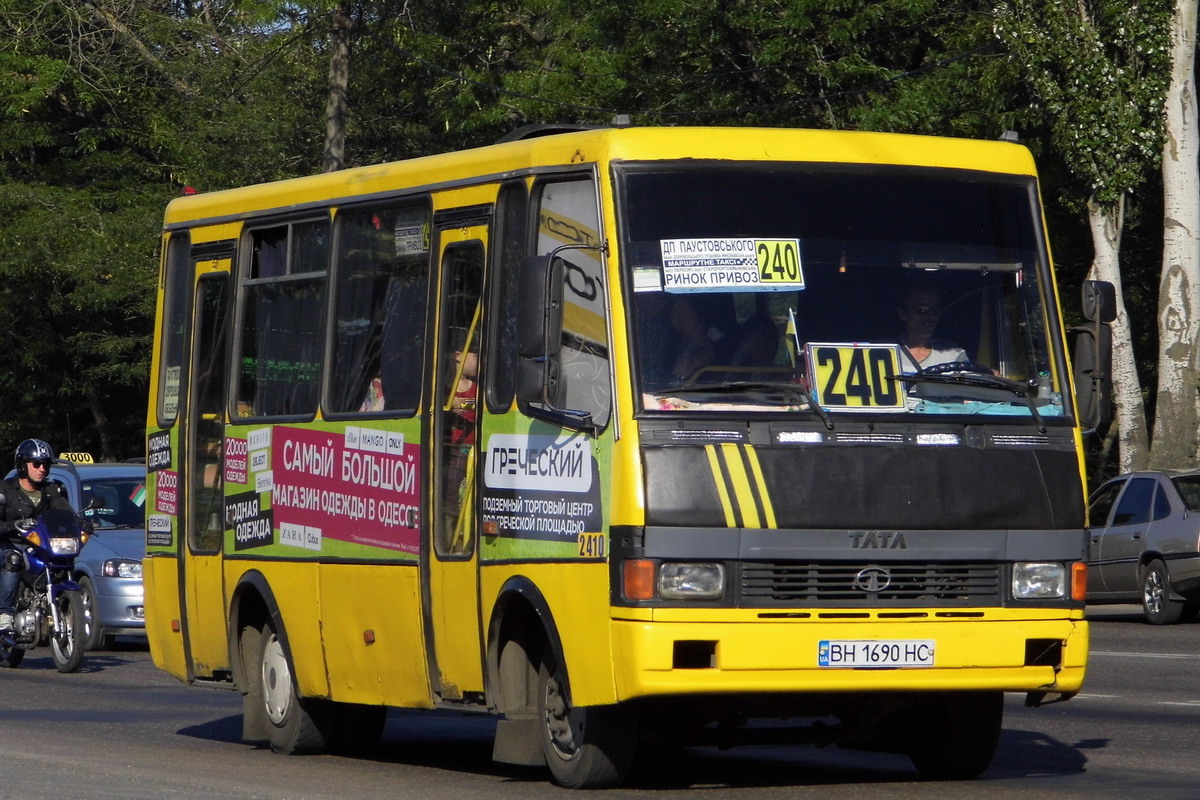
<point x="110" y="107"/>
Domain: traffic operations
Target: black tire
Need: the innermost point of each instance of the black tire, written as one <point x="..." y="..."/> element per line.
<point x="589" y="747"/>
<point x="67" y="640"/>
<point x="1157" y="605"/>
<point x="10" y="655"/>
<point x="294" y="724"/>
<point x="91" y="626"/>
<point x="959" y="734"/>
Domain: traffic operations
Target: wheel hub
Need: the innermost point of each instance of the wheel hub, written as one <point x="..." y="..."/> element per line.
<point x="276" y="681"/>
<point x="558" y="721"/>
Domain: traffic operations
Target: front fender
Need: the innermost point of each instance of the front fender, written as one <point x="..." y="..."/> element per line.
<point x="56" y="589"/>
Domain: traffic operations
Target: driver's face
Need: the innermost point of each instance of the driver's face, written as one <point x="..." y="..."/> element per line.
<point x="920" y="312"/>
<point x="37" y="469"/>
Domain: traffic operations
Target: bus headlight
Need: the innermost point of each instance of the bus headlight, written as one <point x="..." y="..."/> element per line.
<point x="691" y="581"/>
<point x="1039" y="581"/>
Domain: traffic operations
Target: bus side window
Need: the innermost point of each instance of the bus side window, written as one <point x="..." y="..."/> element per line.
<point x="513" y="239"/>
<point x="177" y="298"/>
<point x="282" y="322"/>
<point x="381" y="284"/>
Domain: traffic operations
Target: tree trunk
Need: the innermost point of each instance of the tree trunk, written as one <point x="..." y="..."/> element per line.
<point x="1177" y="410"/>
<point x="1132" y="438"/>
<point x="339" y="83"/>
<point x="100" y="417"/>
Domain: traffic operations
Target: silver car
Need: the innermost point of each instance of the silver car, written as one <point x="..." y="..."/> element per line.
<point x="1145" y="544"/>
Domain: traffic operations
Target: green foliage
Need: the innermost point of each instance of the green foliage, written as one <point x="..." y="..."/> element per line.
<point x="1099" y="71"/>
<point x="109" y="108"/>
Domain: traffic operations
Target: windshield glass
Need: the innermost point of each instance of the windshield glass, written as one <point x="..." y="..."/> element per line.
<point x="872" y="289"/>
<point x="119" y="502"/>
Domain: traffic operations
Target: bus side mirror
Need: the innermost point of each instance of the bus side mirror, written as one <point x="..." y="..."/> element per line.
<point x="1092" y="356"/>
<point x="539" y="330"/>
<point x="1099" y="301"/>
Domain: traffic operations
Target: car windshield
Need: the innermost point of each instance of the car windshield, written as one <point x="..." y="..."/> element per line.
<point x="1188" y="487"/>
<point x="120" y="502"/>
<point x="877" y="290"/>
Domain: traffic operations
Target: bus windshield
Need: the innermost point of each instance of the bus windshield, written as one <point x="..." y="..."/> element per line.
<point x="837" y="288"/>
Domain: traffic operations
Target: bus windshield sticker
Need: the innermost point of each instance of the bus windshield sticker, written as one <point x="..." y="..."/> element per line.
<point x="856" y="377"/>
<point x="738" y="263"/>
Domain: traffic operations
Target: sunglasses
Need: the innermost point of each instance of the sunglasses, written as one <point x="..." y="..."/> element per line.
<point x="42" y="464"/>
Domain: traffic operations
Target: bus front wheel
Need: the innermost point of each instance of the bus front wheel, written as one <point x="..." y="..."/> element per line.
<point x="590" y="747"/>
<point x="956" y="735"/>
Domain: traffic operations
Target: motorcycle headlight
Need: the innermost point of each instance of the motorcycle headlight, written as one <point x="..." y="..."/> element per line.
<point x="64" y="546"/>
<point x="122" y="568"/>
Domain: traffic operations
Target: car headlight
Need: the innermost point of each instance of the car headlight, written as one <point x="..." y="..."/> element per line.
<point x="1039" y="581"/>
<point x="691" y="581"/>
<point x="122" y="568"/>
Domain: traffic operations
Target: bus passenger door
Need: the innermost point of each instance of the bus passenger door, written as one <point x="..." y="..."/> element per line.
<point x="202" y="517"/>
<point x="452" y="556"/>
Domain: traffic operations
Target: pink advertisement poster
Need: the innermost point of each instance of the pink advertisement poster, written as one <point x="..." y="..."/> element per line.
<point x="361" y="486"/>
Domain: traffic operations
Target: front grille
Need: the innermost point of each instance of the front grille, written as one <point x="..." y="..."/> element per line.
<point x="792" y="583"/>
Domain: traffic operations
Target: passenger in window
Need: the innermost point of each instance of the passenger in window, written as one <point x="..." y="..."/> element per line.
<point x="756" y="343"/>
<point x="465" y="394"/>
<point x="373" y="400"/>
<point x="919" y="312"/>
<point x="672" y="344"/>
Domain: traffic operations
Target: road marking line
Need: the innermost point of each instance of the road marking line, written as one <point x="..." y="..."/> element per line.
<point x="1145" y="655"/>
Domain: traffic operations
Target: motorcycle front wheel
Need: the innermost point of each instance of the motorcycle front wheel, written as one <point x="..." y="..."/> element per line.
<point x="67" y="641"/>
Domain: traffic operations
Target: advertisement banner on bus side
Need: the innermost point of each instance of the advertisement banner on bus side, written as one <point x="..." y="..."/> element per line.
<point x="312" y="489"/>
<point x="541" y="487"/>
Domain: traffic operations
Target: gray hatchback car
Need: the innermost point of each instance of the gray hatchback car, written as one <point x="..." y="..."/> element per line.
<point x="1144" y="545"/>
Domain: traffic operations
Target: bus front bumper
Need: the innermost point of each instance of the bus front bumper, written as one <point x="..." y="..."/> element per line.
<point x="1043" y="657"/>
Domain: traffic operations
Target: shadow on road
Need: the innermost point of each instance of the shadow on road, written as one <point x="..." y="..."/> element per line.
<point x="1031" y="754"/>
<point x="463" y="743"/>
<point x="226" y="729"/>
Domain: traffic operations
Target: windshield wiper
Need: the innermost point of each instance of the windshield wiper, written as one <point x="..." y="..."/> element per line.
<point x="1024" y="390"/>
<point x="966" y="379"/>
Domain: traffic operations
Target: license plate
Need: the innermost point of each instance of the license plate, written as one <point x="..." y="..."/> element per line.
<point x="875" y="653"/>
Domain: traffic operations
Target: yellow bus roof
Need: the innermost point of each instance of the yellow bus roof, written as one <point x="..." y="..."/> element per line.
<point x="605" y="145"/>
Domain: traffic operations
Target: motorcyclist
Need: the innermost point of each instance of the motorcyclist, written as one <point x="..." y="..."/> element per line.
<point x="22" y="498"/>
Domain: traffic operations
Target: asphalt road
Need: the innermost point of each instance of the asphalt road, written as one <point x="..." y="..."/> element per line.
<point x="121" y="729"/>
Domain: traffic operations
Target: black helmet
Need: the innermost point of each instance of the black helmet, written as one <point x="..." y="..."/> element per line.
<point x="31" y="450"/>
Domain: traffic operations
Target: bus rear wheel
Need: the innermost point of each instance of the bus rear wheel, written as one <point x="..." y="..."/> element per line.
<point x="293" y="723"/>
<point x="956" y="735"/>
<point x="589" y="747"/>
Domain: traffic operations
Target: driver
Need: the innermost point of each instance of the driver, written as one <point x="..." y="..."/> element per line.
<point x="23" y="497"/>
<point x="919" y="311"/>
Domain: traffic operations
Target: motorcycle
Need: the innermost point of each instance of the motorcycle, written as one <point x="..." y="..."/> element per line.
<point x="50" y="607"/>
